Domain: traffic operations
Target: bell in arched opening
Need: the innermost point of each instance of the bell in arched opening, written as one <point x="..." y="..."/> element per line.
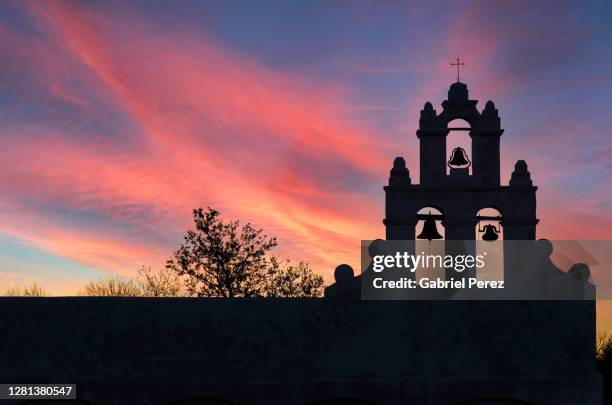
<point x="459" y="159"/>
<point x="429" y="231"/>
<point x="490" y="234"/>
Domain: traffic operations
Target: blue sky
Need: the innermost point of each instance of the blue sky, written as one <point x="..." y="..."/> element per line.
<point x="119" y="118"/>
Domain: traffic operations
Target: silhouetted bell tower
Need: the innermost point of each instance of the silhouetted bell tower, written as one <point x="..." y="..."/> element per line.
<point x="460" y="195"/>
<point x="485" y="132"/>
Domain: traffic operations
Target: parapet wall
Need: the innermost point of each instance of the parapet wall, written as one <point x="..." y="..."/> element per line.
<point x="156" y="350"/>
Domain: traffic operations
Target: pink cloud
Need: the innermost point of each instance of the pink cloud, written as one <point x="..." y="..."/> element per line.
<point x="218" y="130"/>
<point x="212" y="127"/>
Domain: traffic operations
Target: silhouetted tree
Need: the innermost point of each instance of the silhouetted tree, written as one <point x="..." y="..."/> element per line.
<point x="223" y="259"/>
<point x="115" y="286"/>
<point x="287" y="280"/>
<point x="162" y="283"/>
<point x="603" y="344"/>
<point x="148" y="283"/>
<point x="603" y="352"/>
<point x="33" y="290"/>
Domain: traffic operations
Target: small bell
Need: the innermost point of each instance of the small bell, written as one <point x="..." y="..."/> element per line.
<point x="430" y="231"/>
<point x="490" y="233"/>
<point x="459" y="158"/>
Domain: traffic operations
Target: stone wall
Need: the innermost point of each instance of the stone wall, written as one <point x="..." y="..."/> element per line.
<point x="284" y="351"/>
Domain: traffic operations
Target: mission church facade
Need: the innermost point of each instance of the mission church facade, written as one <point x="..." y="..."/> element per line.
<point x="341" y="349"/>
<point x="459" y="194"/>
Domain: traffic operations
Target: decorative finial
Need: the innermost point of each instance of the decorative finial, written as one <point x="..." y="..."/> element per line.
<point x="458" y="63"/>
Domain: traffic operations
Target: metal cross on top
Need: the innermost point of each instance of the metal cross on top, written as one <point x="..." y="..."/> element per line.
<point x="458" y="63"/>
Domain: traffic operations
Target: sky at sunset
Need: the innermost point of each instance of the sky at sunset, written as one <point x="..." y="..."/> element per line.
<point x="118" y="118"/>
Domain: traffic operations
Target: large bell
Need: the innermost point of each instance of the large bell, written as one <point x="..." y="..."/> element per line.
<point x="430" y="231"/>
<point x="459" y="158"/>
<point x="490" y="233"/>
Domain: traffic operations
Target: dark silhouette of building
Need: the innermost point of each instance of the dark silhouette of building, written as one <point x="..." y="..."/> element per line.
<point x="338" y="350"/>
<point x="460" y="195"/>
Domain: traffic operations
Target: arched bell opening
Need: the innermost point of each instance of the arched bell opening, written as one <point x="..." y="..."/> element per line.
<point x="429" y="224"/>
<point x="430" y="236"/>
<point x="488" y="226"/>
<point x="459" y="148"/>
<point x="489" y="245"/>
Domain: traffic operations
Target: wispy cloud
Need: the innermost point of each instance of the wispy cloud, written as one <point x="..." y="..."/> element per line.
<point x="116" y="129"/>
<point x="213" y="128"/>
